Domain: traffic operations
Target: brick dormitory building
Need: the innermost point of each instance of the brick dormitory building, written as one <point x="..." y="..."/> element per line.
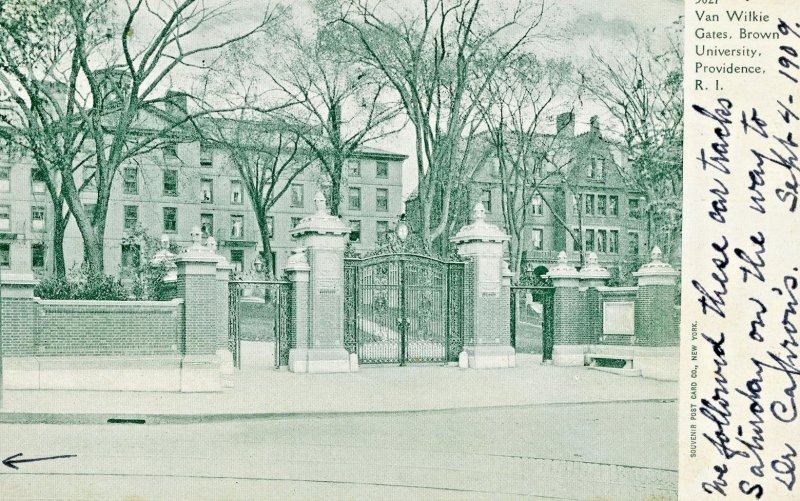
<point x="171" y="189"/>
<point x="582" y="188"/>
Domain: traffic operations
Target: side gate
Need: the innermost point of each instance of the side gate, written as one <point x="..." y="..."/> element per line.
<point x="528" y="322"/>
<point x="404" y="308"/>
<point x="260" y="310"/>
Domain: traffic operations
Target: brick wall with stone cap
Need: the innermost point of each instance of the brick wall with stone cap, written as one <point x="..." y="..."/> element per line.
<point x="656" y="315"/>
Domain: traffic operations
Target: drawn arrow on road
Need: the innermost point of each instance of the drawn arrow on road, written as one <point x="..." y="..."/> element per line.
<point x="10" y="461"/>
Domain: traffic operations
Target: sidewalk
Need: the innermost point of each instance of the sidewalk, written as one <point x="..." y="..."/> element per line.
<point x="271" y="393"/>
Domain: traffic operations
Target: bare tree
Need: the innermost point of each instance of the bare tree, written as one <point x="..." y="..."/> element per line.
<point x="642" y="89"/>
<point x="268" y="157"/>
<point x="340" y="104"/>
<point x="440" y="57"/>
<point x="528" y="161"/>
<point x="109" y="76"/>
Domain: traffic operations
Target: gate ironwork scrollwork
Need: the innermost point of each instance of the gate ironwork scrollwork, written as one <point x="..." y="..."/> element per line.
<point x="403" y="308"/>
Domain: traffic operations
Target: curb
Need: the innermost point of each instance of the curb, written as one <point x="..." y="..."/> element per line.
<point x="132" y="418"/>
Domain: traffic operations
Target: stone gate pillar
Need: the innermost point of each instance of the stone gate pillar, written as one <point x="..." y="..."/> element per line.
<point x="324" y="236"/>
<point x="656" y="320"/>
<point x="487" y="333"/>
<point x="197" y="286"/>
<point x="568" y="313"/>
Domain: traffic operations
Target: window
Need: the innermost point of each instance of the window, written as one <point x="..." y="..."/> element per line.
<point x="206" y="154"/>
<point x="595" y="169"/>
<point x="5" y="255"/>
<point x="207" y="225"/>
<point x="613" y="241"/>
<point x="601" y="241"/>
<point x="613" y="205"/>
<point x="576" y="240"/>
<point x="382" y="200"/>
<point x="633" y="243"/>
<point x="381" y="230"/>
<point x="5" y="218"/>
<point x="354" y="168"/>
<point x="171" y="182"/>
<point x="576" y="204"/>
<point x="536" y="239"/>
<point x="355" y="233"/>
<point x="296" y="221"/>
<point x="382" y="169"/>
<point x="633" y="208"/>
<point x="589" y="240"/>
<point x="536" y="205"/>
<point x="486" y="200"/>
<point x="601" y="205"/>
<point x="589" y="207"/>
<point x="130" y="255"/>
<point x="170" y="219"/>
<point x="236" y="192"/>
<point x="37" y="255"/>
<point x="237" y="226"/>
<point x="270" y="226"/>
<point x="354" y="198"/>
<point x="90" y="178"/>
<point x="237" y="259"/>
<point x="130" y="180"/>
<point x="131" y="216"/>
<point x="297" y="196"/>
<point x="5" y="178"/>
<point x="206" y="190"/>
<point x="38" y="219"/>
<point x="38" y="181"/>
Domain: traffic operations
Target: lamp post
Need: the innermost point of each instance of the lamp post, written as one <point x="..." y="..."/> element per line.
<point x="402" y="228"/>
<point x="258" y="265"/>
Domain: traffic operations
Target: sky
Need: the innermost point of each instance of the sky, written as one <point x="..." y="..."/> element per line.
<point x="577" y="25"/>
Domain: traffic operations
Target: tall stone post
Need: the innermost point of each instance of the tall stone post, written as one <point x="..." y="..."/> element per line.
<point x="568" y="313"/>
<point x="197" y="285"/>
<point x="656" y="320"/>
<point x="222" y="307"/>
<point x="488" y="345"/>
<point x="324" y="236"/>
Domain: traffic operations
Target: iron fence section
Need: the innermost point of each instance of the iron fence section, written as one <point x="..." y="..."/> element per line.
<point x="521" y="296"/>
<point x="260" y="310"/>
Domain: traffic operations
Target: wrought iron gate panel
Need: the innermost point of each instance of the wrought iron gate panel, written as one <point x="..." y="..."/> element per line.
<point x="260" y="310"/>
<point x="544" y="296"/>
<point x="403" y="308"/>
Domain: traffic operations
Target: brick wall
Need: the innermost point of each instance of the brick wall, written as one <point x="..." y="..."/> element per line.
<point x="44" y="328"/>
<point x="201" y="288"/>
<point x="656" y="316"/>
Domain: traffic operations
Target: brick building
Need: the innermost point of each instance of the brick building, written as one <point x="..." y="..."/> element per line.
<point x="583" y="189"/>
<point x="171" y="189"/>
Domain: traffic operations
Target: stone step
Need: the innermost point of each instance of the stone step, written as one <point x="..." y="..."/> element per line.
<point x="619" y="372"/>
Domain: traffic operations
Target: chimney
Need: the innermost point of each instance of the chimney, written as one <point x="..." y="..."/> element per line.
<point x="177" y="102"/>
<point x="594" y="125"/>
<point x="565" y="124"/>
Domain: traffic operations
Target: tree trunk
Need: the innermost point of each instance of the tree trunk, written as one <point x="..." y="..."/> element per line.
<point x="266" y="245"/>
<point x="59" y="228"/>
<point x="336" y="191"/>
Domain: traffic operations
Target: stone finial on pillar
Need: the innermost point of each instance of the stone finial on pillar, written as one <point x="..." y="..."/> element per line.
<point x="488" y="345"/>
<point x="568" y="345"/>
<point x="656" y="319"/>
<point x="319" y="347"/>
<point x="592" y="273"/>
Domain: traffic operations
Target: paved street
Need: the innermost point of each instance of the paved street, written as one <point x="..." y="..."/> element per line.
<point x="612" y="451"/>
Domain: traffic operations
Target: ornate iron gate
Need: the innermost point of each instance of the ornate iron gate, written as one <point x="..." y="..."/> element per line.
<point x="403" y="308"/>
<point x="260" y="310"/>
<point x="521" y="297"/>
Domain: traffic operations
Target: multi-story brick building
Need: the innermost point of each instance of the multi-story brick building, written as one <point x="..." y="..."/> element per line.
<point x="583" y="193"/>
<point x="172" y="189"/>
